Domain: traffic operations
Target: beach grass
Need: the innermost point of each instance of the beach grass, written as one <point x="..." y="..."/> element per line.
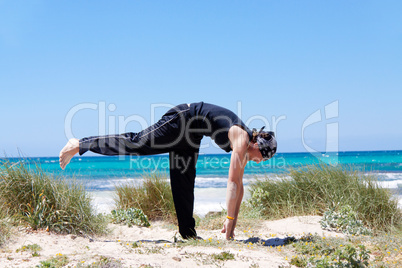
<point x="154" y="197"/>
<point x="5" y="224"/>
<point x="43" y="201"/>
<point x="315" y="189"/>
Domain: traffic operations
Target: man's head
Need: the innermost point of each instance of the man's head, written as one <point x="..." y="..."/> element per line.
<point x="266" y="143"/>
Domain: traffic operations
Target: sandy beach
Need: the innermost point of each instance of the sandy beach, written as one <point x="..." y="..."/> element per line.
<point x="119" y="248"/>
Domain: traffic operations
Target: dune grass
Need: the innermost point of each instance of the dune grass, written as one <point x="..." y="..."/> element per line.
<point x="43" y="201"/>
<point x="315" y="189"/>
<point x="153" y="197"/>
<point x="5" y="225"/>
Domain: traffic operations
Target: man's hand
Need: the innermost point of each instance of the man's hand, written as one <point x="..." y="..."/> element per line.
<point x="228" y="228"/>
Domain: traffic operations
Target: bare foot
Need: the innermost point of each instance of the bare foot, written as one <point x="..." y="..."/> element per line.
<point x="72" y="147"/>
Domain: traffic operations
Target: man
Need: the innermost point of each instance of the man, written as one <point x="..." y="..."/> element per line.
<point x="179" y="133"/>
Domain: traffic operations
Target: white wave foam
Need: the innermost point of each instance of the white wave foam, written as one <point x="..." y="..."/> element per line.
<point x="209" y="199"/>
<point x="105" y="184"/>
<point x="391" y="184"/>
<point x="109" y="184"/>
<point x="387" y="176"/>
<point x="201" y="209"/>
<point x="206" y="200"/>
<point x="103" y="201"/>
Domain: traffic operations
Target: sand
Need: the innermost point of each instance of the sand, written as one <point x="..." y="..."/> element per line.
<point x="117" y="246"/>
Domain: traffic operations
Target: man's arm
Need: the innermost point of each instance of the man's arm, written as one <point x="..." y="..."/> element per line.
<point x="234" y="194"/>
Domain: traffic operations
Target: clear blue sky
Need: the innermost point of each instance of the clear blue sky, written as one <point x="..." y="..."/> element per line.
<point x="277" y="58"/>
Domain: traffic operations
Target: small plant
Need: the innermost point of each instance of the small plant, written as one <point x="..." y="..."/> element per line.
<point x="55" y="262"/>
<point x="104" y="262"/>
<point x="344" y="221"/>
<point x="322" y="252"/>
<point x="34" y="248"/>
<point x="348" y="256"/>
<point x="223" y="256"/>
<point x="150" y="250"/>
<point x="130" y="217"/>
<point x="298" y="261"/>
<point x="210" y="259"/>
<point x="352" y="255"/>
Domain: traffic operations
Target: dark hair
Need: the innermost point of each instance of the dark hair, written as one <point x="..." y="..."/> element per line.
<point x="260" y="133"/>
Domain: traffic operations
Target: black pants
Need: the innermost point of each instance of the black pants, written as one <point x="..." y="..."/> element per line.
<point x="169" y="135"/>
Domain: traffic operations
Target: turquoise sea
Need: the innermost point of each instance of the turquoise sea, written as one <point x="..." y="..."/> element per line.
<point x="101" y="173"/>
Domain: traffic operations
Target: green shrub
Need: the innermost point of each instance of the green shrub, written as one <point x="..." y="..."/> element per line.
<point x="223" y="256"/>
<point x="103" y="262"/>
<point x="55" y="262"/>
<point x="153" y="197"/>
<point x="320" y="252"/>
<point x="345" y="221"/>
<point x="43" y="201"/>
<point x="348" y="256"/>
<point x="131" y="216"/>
<point x="315" y="189"/>
<point x="33" y="248"/>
